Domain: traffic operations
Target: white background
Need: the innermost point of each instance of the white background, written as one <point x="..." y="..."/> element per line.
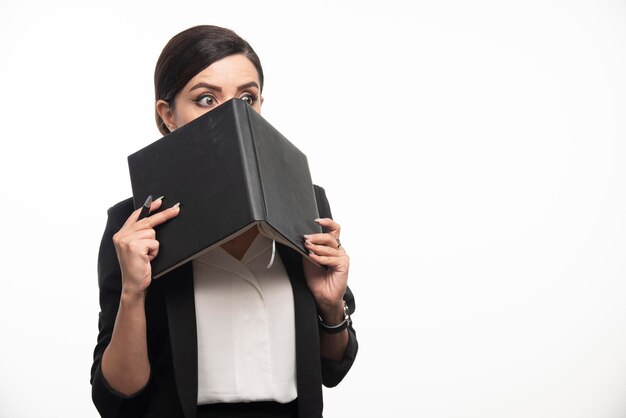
<point x="473" y="152"/>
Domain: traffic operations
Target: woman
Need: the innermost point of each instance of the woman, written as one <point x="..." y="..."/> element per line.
<point x="218" y="336"/>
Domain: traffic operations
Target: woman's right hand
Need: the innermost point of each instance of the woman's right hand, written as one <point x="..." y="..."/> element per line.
<point x="136" y="245"/>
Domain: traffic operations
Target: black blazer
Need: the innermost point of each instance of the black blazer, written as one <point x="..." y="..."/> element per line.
<point x="172" y="342"/>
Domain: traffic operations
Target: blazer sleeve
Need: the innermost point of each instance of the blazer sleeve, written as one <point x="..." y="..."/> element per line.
<point x="108" y="402"/>
<point x="334" y="371"/>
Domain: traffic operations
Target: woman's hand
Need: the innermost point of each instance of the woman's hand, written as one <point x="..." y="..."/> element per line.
<point x="327" y="286"/>
<point x="136" y="245"/>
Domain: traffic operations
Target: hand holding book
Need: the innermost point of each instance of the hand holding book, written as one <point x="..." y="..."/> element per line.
<point x="327" y="285"/>
<point x="136" y="245"/>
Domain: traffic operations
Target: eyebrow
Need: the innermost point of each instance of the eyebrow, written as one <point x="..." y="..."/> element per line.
<point x="217" y="88"/>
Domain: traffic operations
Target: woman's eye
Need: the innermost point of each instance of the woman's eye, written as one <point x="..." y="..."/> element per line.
<point x="249" y="98"/>
<point x="205" y="100"/>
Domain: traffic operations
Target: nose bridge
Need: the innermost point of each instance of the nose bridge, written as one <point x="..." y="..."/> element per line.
<point x="230" y="93"/>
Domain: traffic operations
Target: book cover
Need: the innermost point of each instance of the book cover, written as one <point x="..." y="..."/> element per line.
<point x="230" y="170"/>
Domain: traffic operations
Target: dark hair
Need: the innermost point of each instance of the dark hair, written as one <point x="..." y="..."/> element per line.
<point x="190" y="52"/>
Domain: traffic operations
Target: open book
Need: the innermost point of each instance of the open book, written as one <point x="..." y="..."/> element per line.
<point x="230" y="170"/>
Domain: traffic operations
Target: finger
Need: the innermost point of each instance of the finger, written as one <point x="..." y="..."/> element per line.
<point x="140" y="234"/>
<point x="333" y="262"/>
<point x="156" y="204"/>
<point x="324" y="250"/>
<point x="323" y="239"/>
<point x="132" y="218"/>
<point x="128" y="239"/>
<point x="161" y="217"/>
<point x="145" y="247"/>
<point x="153" y="248"/>
<point x="330" y="226"/>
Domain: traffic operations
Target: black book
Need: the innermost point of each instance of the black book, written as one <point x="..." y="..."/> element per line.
<point x="230" y="170"/>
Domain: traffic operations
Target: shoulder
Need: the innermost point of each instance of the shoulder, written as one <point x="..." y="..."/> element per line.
<point x="119" y="212"/>
<point x="124" y="208"/>
<point x="117" y="215"/>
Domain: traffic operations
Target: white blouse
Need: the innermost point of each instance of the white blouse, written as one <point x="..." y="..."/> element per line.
<point x="245" y="326"/>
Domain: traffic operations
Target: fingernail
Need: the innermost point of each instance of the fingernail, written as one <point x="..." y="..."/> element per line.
<point x="308" y="242"/>
<point x="307" y="237"/>
<point x="318" y="219"/>
<point x="159" y="198"/>
<point x="148" y="201"/>
<point x="176" y="205"/>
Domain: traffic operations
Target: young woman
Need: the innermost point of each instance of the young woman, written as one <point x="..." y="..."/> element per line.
<point x="221" y="335"/>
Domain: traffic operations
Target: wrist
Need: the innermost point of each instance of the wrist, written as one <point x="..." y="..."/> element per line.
<point x="337" y="325"/>
<point x="133" y="295"/>
<point x="331" y="313"/>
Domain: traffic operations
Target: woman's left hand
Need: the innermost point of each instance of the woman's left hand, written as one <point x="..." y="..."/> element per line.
<point x="327" y="286"/>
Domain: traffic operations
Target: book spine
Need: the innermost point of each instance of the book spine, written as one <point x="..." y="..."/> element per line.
<point x="250" y="162"/>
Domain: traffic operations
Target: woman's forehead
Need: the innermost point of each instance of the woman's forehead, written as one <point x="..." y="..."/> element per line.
<point x="231" y="71"/>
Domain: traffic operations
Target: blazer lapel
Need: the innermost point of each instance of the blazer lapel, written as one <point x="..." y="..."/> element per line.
<point x="308" y="359"/>
<point x="181" y="314"/>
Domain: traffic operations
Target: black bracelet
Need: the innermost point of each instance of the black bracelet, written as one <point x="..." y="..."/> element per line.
<point x="336" y="329"/>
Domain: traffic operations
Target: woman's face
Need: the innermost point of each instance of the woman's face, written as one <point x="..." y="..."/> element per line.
<point x="232" y="77"/>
